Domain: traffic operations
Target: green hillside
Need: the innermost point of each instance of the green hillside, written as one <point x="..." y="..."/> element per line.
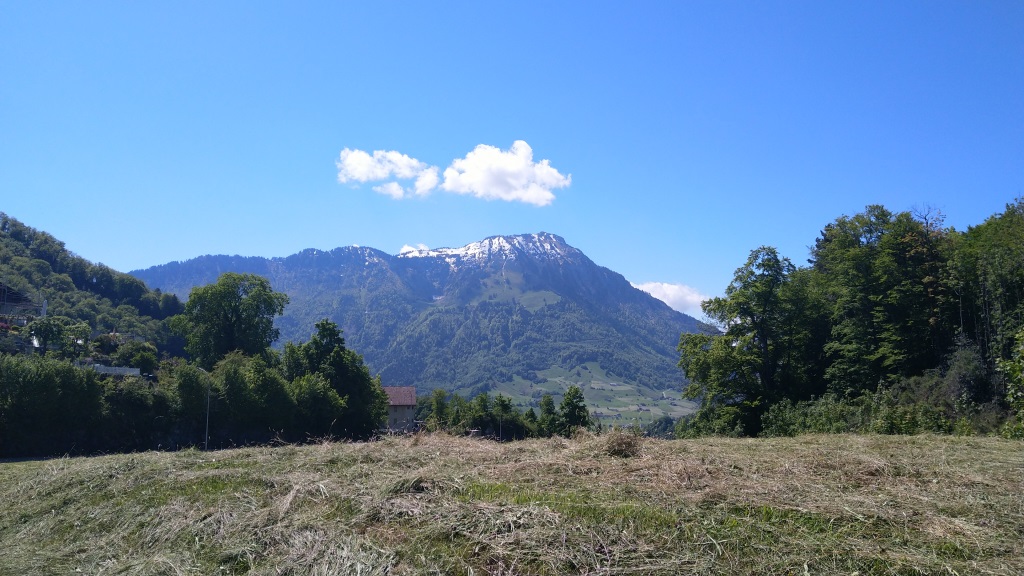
<point x="77" y="291"/>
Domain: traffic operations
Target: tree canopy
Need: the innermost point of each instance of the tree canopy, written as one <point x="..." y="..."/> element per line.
<point x="235" y="313"/>
<point x="362" y="404"/>
<point x="895" y="317"/>
<point x="498" y="418"/>
<point x="770" y="320"/>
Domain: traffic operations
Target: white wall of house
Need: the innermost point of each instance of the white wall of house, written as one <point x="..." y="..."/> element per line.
<point x="401" y="418"/>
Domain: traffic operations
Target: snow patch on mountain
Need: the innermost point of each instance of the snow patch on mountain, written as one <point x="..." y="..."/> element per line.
<point x="541" y="245"/>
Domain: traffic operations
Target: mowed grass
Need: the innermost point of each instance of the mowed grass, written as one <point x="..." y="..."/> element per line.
<point x="610" y="504"/>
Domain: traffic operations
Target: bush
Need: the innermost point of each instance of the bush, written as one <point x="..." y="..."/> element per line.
<point x="882" y="413"/>
<point x="712" y="421"/>
<point x="663" y="427"/>
<point x="963" y="427"/>
<point x="893" y="417"/>
<point x="1013" y="429"/>
<point x="829" y="414"/>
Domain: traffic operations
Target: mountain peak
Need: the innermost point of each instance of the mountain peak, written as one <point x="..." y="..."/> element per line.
<point x="542" y="245"/>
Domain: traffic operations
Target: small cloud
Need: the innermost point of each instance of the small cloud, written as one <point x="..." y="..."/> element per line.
<point x="417" y="248"/>
<point x="359" y="166"/>
<point x="392" y="189"/>
<point x="486" y="172"/>
<point x="678" y="296"/>
<point x="509" y="175"/>
<point x="426" y="181"/>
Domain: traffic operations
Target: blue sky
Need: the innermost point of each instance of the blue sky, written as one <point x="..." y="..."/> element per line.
<point x="677" y="136"/>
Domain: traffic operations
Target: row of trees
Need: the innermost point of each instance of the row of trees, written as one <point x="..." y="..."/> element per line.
<point x="498" y="418"/>
<point x="892" y="306"/>
<point x="237" y="389"/>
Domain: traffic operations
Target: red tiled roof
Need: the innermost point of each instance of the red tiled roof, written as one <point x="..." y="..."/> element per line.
<point x="401" y="395"/>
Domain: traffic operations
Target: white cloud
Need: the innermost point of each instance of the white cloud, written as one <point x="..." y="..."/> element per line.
<point x="509" y="175"/>
<point x="678" y="296"/>
<point x="392" y="189"/>
<point x="359" y="166"/>
<point x="486" y="172"/>
<point x="406" y="248"/>
<point x="426" y="181"/>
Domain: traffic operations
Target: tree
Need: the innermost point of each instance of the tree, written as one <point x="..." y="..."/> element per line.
<point x="240" y="405"/>
<point x="76" y="339"/>
<point x="741" y="368"/>
<point x="366" y="403"/>
<point x="481" y="417"/>
<point x="141" y="355"/>
<point x="547" y="423"/>
<point x="459" y="413"/>
<point x="256" y="395"/>
<point x="136" y="415"/>
<point x="47" y="406"/>
<point x="661" y="427"/>
<point x="767" y="350"/>
<point x="438" y="419"/>
<point x="574" y="411"/>
<point x="235" y="313"/>
<point x="318" y="406"/>
<point x="48" y="330"/>
<point x="273" y="404"/>
<point x="195" y="395"/>
<point x="510" y="422"/>
<point x="988" y="271"/>
<point x="1014" y="371"/>
<point x="890" y="304"/>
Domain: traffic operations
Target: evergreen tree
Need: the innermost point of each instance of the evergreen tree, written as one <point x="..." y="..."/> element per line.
<point x="574" y="411"/>
<point x="548" y="423"/>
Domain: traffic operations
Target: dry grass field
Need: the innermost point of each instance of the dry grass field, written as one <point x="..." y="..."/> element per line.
<point x="611" y="504"/>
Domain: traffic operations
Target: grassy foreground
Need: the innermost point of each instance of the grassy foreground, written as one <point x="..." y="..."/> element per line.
<point x="611" y="504"/>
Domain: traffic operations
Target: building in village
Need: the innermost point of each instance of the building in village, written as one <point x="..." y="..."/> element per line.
<point x="401" y="408"/>
<point x="17" y="308"/>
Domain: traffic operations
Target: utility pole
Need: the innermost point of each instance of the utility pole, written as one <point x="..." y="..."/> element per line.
<point x="206" y="441"/>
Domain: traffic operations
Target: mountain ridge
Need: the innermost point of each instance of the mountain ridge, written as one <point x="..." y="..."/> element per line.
<point x="512" y="313"/>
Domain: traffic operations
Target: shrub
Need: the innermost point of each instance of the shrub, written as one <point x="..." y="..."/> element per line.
<point x="1013" y="429"/>
<point x="712" y="421"/>
<point x="963" y="427"/>
<point x="829" y="414"/>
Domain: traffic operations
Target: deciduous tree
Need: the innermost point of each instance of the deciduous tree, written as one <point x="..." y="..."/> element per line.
<point x="764" y="352"/>
<point x="366" y="404"/>
<point x="235" y="313"/>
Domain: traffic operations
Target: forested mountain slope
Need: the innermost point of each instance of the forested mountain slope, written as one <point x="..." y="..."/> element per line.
<point x="505" y="310"/>
<point x="37" y="265"/>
